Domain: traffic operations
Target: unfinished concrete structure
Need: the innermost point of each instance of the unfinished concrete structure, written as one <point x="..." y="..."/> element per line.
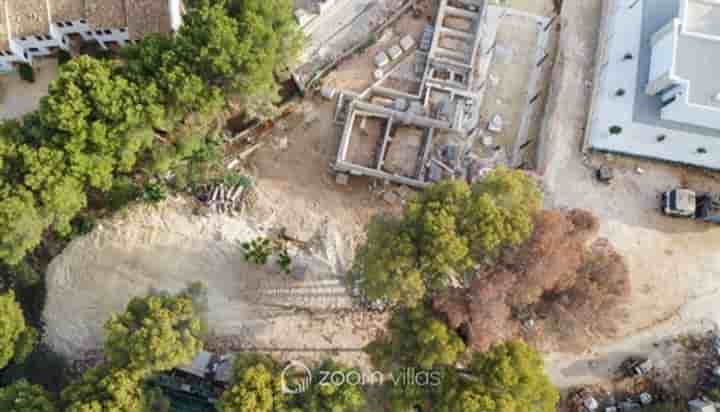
<point x="422" y="120"/>
<point x="388" y="133"/>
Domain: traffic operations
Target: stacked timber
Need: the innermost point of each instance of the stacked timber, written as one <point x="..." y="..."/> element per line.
<point x="221" y="198"/>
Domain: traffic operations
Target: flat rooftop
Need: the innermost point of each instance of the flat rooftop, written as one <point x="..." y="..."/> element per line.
<point x="28" y="17"/>
<point x="698" y="60"/>
<point x="106" y="13"/>
<point x="4" y="34"/>
<point x="67" y="10"/>
<point x="644" y="133"/>
<point x="702" y="16"/>
<point x="148" y="16"/>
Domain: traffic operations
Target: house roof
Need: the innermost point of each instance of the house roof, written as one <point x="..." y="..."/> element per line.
<point x="28" y="17"/>
<point x="63" y="10"/>
<point x="4" y="35"/>
<point x="105" y="14"/>
<point x="199" y="365"/>
<point x="148" y="16"/>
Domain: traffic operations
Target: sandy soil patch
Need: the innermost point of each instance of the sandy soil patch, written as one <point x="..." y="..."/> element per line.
<point x="18" y="97"/>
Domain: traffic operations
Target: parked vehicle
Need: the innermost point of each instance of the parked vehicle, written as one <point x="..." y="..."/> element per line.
<point x="635" y="366"/>
<point x="690" y="204"/>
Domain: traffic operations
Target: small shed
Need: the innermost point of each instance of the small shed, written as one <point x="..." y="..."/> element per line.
<point x="395" y="52"/>
<point x="407" y="42"/>
<point x="224" y="370"/>
<point x="199" y="365"/>
<point x="381" y="59"/>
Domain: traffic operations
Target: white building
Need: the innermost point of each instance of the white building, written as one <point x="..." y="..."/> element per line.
<point x="684" y="64"/>
<point x="655" y="89"/>
<point x="32" y="28"/>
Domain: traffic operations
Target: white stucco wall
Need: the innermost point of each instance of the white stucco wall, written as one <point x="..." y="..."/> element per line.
<point x="661" y="62"/>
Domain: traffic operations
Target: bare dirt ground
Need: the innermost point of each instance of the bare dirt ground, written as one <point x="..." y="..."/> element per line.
<point x="164" y="248"/>
<point x="674" y="264"/>
<point x="356" y="73"/>
<point x="18" y="97"/>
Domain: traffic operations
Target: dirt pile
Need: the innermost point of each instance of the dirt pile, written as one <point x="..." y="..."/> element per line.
<point x="166" y="247"/>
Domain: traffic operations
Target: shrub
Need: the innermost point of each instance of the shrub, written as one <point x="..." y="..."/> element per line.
<point x="63" y="56"/>
<point x="284" y="261"/>
<point x="234" y="179"/>
<point x="154" y="192"/>
<point x="26" y="72"/>
<point x="258" y="250"/>
<point x="82" y="225"/>
<point x="123" y="191"/>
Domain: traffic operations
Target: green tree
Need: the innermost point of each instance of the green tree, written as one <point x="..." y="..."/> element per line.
<point x="510" y="377"/>
<point x="104" y="389"/>
<point x="209" y="41"/>
<point x="501" y="210"/>
<point x="444" y="233"/>
<point x="155" y="333"/>
<point x="95" y="117"/>
<point x="344" y="395"/>
<point x="156" y="61"/>
<point x="385" y="265"/>
<point x="423" y="389"/>
<point x="25" y="344"/>
<point x="12" y="328"/>
<point x="21" y="224"/>
<point x="415" y="339"/>
<point x="22" y="396"/>
<point x="269" y="29"/>
<point x="257" y="385"/>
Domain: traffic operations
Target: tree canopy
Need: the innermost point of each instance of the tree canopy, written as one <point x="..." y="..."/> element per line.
<point x="256" y="386"/>
<point x="509" y="377"/>
<point x="22" y="396"/>
<point x="16" y="338"/>
<point x="327" y="394"/>
<point x="105" y="389"/>
<point x="443" y="234"/>
<point x="416" y="339"/>
<point x="155" y="333"/>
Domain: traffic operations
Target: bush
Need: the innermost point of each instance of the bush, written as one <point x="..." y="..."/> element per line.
<point x="257" y="251"/>
<point x="234" y="179"/>
<point x="26" y="72"/>
<point x="42" y="367"/>
<point x="123" y="192"/>
<point x="284" y="261"/>
<point x="63" y="56"/>
<point x="154" y="192"/>
<point x="82" y="225"/>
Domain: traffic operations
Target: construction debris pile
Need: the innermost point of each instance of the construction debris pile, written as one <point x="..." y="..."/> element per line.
<point x="220" y="198"/>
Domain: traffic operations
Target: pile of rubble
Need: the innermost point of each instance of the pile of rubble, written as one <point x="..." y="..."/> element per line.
<point x="220" y="198"/>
